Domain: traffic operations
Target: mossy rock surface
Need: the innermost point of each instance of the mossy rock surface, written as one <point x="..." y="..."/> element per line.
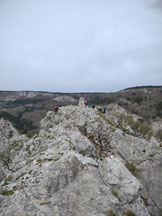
<point x="7" y="193"/>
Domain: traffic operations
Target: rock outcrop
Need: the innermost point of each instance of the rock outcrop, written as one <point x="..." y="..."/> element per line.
<point x="78" y="166"/>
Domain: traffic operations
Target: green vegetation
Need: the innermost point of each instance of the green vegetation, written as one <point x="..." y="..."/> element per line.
<point x="39" y="161"/>
<point x="135" y="99"/>
<point x="20" y="176"/>
<point x="132" y="168"/>
<point x="49" y="159"/>
<point x="83" y="153"/>
<point x="91" y="137"/>
<point x="111" y="213"/>
<point x="22" y="126"/>
<point x="5" y="183"/>
<point x="7" y="193"/>
<point x="138" y="100"/>
<point x="145" y="129"/>
<point x="141" y="87"/>
<point x="26" y="109"/>
<point x="101" y="101"/>
<point x="101" y="115"/>
<point x="159" y="109"/>
<point x="15" y="121"/>
<point x="123" y="117"/>
<point x="44" y="111"/>
<point x="48" y="118"/>
<point x="140" y="128"/>
<point x="22" y="102"/>
<point x="114" y="192"/>
<point x="129" y="213"/>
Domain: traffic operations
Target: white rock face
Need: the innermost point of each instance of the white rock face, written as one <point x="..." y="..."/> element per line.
<point x="68" y="170"/>
<point x="115" y="173"/>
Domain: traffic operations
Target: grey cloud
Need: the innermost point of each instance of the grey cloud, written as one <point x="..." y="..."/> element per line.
<point x="157" y="4"/>
<point x="79" y="45"/>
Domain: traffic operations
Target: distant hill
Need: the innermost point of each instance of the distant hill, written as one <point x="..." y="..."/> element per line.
<point x="141" y="87"/>
<point x="26" y="108"/>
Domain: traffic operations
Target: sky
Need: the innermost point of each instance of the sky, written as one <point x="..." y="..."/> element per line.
<point x="80" y="45"/>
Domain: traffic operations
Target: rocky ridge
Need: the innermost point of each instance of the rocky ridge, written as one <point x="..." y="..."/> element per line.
<point x="76" y="166"/>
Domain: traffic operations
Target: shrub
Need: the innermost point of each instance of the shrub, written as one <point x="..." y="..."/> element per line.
<point x="97" y="100"/>
<point x="145" y="129"/>
<point x="111" y="213"/>
<point x="39" y="161"/>
<point x="23" y="126"/>
<point x="129" y="213"/>
<point x="159" y="109"/>
<point x="83" y="153"/>
<point x="159" y="134"/>
<point x="135" y="125"/>
<point x="121" y="115"/>
<point x="132" y="168"/>
<point x="48" y="118"/>
<point x="142" y="128"/>
<point x="44" y="111"/>
<point x="114" y="192"/>
<point x="5" y="183"/>
<point x="138" y="100"/>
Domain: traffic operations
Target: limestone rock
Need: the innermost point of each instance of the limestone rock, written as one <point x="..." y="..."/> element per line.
<point x="76" y="166"/>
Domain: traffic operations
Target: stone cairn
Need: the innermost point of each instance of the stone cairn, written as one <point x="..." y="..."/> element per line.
<point x="81" y="102"/>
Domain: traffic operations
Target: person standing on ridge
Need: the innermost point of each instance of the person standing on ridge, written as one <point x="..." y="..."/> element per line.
<point x="104" y="109"/>
<point x="55" y="108"/>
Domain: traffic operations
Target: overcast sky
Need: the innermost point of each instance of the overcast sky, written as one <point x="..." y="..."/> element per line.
<point x="80" y="45"/>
